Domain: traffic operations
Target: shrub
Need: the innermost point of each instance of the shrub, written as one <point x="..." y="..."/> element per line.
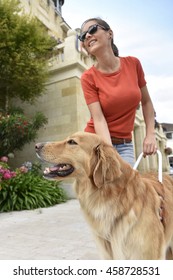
<point x="25" y="189"/>
<point x="16" y="130"/>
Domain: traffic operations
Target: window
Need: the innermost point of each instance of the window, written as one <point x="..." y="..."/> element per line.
<point x="169" y="135"/>
<point x="171" y="161"/>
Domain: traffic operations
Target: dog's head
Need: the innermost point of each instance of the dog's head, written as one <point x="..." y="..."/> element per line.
<point x="82" y="154"/>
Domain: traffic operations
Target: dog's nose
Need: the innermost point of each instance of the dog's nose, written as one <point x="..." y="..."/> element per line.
<point x="39" y="146"/>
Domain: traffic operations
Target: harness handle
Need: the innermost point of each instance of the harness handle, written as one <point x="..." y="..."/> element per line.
<point x="159" y="167"/>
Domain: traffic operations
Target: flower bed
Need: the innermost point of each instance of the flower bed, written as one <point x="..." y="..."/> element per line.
<point x="24" y="188"/>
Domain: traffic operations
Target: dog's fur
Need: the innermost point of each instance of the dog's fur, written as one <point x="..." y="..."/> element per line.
<point x="131" y="215"/>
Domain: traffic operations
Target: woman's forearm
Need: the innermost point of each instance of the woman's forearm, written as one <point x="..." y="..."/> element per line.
<point x="101" y="129"/>
<point x="148" y="113"/>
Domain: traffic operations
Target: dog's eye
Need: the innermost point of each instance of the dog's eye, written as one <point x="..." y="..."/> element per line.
<point x="71" y="142"/>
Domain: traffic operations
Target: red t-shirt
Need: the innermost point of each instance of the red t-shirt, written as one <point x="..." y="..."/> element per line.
<point x="118" y="93"/>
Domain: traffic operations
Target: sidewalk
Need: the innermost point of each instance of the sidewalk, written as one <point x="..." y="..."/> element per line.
<point x="56" y="233"/>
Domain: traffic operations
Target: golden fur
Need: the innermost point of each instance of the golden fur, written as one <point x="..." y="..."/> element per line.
<point x="130" y="214"/>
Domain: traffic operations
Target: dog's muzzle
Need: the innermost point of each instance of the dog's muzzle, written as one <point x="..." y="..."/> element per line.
<point x="56" y="170"/>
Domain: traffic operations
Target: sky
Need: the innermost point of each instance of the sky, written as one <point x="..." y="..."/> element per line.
<point x="142" y="28"/>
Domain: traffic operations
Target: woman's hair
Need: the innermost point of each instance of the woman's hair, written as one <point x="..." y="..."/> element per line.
<point x="107" y="27"/>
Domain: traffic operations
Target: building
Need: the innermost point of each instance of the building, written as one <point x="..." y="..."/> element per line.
<point x="64" y="104"/>
<point x="168" y="130"/>
<point x="49" y="13"/>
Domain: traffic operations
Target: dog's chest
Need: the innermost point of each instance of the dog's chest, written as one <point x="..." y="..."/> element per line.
<point x="106" y="220"/>
<point x="100" y="217"/>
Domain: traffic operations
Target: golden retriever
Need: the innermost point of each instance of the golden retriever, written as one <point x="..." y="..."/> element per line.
<point x="130" y="214"/>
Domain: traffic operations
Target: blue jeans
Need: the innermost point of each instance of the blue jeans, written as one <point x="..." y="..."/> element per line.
<point x="126" y="151"/>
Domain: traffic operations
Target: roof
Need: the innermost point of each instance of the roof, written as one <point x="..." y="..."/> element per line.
<point x="61" y="2"/>
<point x="167" y="127"/>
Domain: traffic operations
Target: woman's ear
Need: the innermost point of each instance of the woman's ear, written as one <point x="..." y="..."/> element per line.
<point x="110" y="34"/>
<point x="105" y="165"/>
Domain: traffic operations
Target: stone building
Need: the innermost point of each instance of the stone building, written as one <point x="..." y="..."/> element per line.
<point x="168" y="130"/>
<point x="64" y="104"/>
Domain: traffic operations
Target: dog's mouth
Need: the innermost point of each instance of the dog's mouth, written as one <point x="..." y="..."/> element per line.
<point x="58" y="170"/>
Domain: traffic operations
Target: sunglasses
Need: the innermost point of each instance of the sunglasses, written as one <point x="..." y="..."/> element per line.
<point x="91" y="30"/>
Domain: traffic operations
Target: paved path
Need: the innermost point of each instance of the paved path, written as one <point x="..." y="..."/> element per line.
<point x="56" y="233"/>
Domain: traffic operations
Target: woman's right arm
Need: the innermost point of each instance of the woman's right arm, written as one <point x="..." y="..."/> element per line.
<point x="100" y="124"/>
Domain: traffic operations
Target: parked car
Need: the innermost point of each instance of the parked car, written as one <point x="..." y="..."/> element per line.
<point x="171" y="170"/>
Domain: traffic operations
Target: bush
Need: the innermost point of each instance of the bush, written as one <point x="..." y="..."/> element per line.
<point x="25" y="189"/>
<point x="16" y="130"/>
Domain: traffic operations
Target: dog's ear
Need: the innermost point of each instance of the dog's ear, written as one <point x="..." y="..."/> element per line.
<point x="105" y="165"/>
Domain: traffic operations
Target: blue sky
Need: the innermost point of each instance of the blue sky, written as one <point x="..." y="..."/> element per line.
<point x="142" y="28"/>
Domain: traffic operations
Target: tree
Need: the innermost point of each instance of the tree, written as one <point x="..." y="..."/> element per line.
<point x="24" y="49"/>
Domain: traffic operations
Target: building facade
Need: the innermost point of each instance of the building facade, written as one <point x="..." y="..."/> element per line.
<point x="168" y="130"/>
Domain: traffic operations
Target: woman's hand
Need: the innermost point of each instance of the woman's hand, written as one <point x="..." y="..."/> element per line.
<point x="149" y="145"/>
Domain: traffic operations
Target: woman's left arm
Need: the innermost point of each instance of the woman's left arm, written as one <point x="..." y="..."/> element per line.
<point x="149" y="144"/>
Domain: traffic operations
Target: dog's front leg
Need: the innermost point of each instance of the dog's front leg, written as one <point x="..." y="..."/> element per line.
<point x="104" y="247"/>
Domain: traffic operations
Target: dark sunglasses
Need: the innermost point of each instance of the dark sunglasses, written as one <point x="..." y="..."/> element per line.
<point x="91" y="30"/>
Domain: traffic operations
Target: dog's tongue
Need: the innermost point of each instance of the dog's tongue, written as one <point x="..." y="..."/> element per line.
<point x="59" y="167"/>
<point x="52" y="169"/>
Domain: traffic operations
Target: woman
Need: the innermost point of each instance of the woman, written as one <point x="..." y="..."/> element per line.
<point x="113" y="89"/>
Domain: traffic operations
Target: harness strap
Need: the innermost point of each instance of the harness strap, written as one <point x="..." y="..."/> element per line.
<point x="159" y="166"/>
<point x="161" y="210"/>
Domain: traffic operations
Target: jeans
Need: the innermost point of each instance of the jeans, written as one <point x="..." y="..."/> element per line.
<point x="126" y="151"/>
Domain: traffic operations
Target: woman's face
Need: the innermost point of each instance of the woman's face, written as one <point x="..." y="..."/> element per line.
<point x="94" y="37"/>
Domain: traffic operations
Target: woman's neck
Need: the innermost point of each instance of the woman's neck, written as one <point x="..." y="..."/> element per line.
<point x="108" y="64"/>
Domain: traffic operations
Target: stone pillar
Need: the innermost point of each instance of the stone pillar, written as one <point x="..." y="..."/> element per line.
<point x="70" y="53"/>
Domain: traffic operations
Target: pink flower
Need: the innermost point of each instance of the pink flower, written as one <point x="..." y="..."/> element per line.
<point x="23" y="169"/>
<point x="2" y="170"/>
<point x="4" y="159"/>
<point x="13" y="174"/>
<point x="7" y="175"/>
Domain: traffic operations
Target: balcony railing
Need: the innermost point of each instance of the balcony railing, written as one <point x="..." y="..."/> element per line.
<point x="69" y="52"/>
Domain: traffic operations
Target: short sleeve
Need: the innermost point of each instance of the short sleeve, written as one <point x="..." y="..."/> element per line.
<point x="89" y="88"/>
<point x="140" y="73"/>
